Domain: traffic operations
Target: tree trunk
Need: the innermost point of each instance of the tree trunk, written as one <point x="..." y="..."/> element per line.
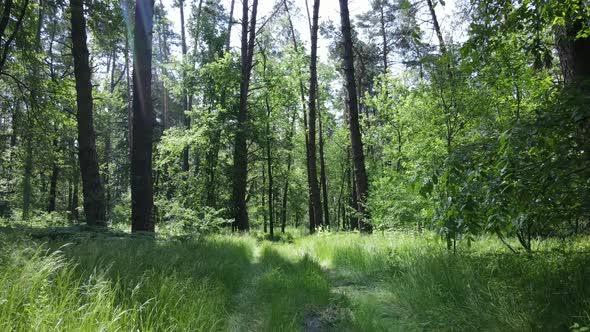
<point x="263" y="199"/>
<point x="240" y="156"/>
<point x="573" y="52"/>
<point x="28" y="174"/>
<point x="313" y="82"/>
<point x="230" y="22"/>
<point x="129" y="101"/>
<point x="323" y="178"/>
<point x="288" y="175"/>
<point x="92" y="189"/>
<point x="441" y="40"/>
<point x="269" y="171"/>
<point x="383" y="36"/>
<point x="53" y="188"/>
<point x="360" y="175"/>
<point x="312" y="223"/>
<point x="185" y="107"/>
<point x="75" y="197"/>
<point x="142" y="198"/>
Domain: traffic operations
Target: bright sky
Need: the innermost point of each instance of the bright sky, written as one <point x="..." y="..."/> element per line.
<point x="329" y="10"/>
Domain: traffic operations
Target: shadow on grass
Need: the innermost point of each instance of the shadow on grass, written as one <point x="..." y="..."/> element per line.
<point x="208" y="283"/>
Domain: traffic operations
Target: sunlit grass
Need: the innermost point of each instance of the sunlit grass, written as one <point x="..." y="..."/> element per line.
<point x="84" y="280"/>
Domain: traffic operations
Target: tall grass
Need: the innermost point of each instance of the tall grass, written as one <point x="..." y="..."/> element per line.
<point x="401" y="282"/>
<point x="89" y="281"/>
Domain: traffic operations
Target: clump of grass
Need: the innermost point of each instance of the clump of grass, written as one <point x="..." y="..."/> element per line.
<point x="120" y="284"/>
<point x="402" y="282"/>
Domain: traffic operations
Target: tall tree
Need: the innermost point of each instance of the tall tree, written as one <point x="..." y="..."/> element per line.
<point x="323" y="177"/>
<point x="142" y="194"/>
<point x="185" y="98"/>
<point x="304" y="107"/>
<point x="240" y="172"/>
<point x="92" y="190"/>
<point x="358" y="156"/>
<point x="313" y="88"/>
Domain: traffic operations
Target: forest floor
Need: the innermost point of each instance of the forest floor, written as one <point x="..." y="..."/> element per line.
<point x="71" y="279"/>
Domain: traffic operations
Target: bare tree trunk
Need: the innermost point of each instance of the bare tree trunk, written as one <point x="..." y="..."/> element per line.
<point x="358" y="156"/>
<point x="142" y="196"/>
<point x="263" y="198"/>
<point x="28" y="174"/>
<point x="129" y="100"/>
<point x="313" y="82"/>
<point x="441" y="40"/>
<point x="230" y="22"/>
<point x="323" y="178"/>
<point x="269" y="168"/>
<point x="384" y="36"/>
<point x="75" y="197"/>
<point x="240" y="174"/>
<point x="186" y="119"/>
<point x="288" y="175"/>
<point x="312" y="222"/>
<point x="92" y="188"/>
<point x="53" y="188"/>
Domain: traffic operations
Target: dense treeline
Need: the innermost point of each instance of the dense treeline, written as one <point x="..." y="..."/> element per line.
<point x="106" y="109"/>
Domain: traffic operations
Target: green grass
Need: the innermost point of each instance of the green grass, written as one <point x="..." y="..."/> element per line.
<point x="75" y="280"/>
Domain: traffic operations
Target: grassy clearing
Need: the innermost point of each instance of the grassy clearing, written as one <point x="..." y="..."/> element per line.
<point x="393" y="282"/>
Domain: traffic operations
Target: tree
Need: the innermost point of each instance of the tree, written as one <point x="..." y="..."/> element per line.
<point x="358" y="157"/>
<point x="185" y="98"/>
<point x="316" y="202"/>
<point x="240" y="156"/>
<point x="92" y="190"/>
<point x="142" y="200"/>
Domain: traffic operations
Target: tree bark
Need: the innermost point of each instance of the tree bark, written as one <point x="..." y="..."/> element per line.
<point x="383" y="35"/>
<point x="240" y="156"/>
<point x="230" y="22"/>
<point x="92" y="189"/>
<point x="323" y="178"/>
<point x="288" y="175"/>
<point x="269" y="170"/>
<point x="28" y="174"/>
<point x="313" y="83"/>
<point x="437" y="30"/>
<point x="75" y="197"/>
<point x="185" y="103"/>
<point x="53" y="188"/>
<point x="142" y="198"/>
<point x="358" y="156"/>
<point x="305" y="130"/>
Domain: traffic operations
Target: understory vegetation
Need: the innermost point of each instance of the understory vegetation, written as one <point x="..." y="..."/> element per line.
<point x="65" y="279"/>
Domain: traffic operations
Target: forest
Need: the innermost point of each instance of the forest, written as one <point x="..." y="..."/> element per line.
<point x="288" y="165"/>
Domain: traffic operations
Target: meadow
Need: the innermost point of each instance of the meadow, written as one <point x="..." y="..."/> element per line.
<point x="78" y="279"/>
